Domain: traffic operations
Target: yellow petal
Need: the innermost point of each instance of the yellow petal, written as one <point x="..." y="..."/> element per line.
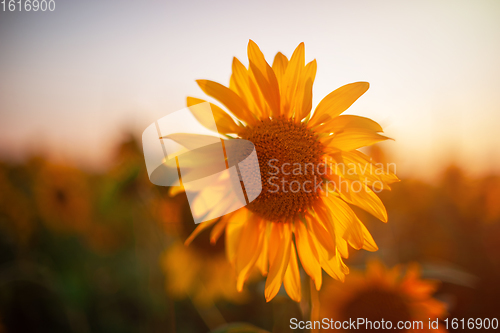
<point x="333" y="266"/>
<point x="227" y="97"/>
<point x="247" y="88"/>
<point x="369" y="242"/>
<point x="233" y="233"/>
<point x="343" y="122"/>
<point x="225" y="124"/>
<point x="303" y="103"/>
<point x="353" y="138"/>
<point x="308" y="254"/>
<point x="174" y="190"/>
<point x="268" y="87"/>
<point x="262" y="109"/>
<point x="292" y="78"/>
<point x="304" y="98"/>
<point x="279" y="256"/>
<point x="263" y="260"/>
<point x="202" y="226"/>
<point x="347" y="221"/>
<point x="193" y="141"/>
<point x="322" y="235"/>
<point x="337" y="102"/>
<point x="265" y="78"/>
<point x="311" y="69"/>
<point x="342" y="247"/>
<point x="218" y="229"/>
<point x="239" y="83"/>
<point x="387" y="177"/>
<point x="249" y="247"/>
<point x="291" y="281"/>
<point x="326" y="219"/>
<point x="360" y="195"/>
<point x="280" y="64"/>
<point x="355" y="165"/>
<point x="257" y="58"/>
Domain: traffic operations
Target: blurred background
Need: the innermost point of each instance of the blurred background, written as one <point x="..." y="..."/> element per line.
<point x="88" y="244"/>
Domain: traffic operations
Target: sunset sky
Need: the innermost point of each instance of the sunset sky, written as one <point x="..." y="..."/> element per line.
<point x="72" y="80"/>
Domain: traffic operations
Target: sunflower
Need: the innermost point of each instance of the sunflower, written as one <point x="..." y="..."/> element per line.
<point x="382" y="293"/>
<point x="306" y="152"/>
<point x="199" y="271"/>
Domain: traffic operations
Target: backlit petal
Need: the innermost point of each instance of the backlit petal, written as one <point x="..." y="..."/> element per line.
<point x="308" y="254"/>
<point x="304" y="95"/>
<point x="268" y="87"/>
<point x="322" y="236"/>
<point x="225" y="124"/>
<point x="291" y="280"/>
<point x="292" y="78"/>
<point x="343" y="122"/>
<point x="279" y="256"/>
<point x="202" y="226"/>
<point x="280" y="64"/>
<point x="369" y="242"/>
<point x="360" y="195"/>
<point x="346" y="220"/>
<point x="233" y="233"/>
<point x="337" y="102"/>
<point x="248" y="248"/>
<point x="226" y="96"/>
<point x="263" y="260"/>
<point x="353" y="138"/>
<point x="218" y="229"/>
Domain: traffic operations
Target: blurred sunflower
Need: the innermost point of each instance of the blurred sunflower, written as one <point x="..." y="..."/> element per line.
<point x="273" y="105"/>
<point x="199" y="271"/>
<point x="382" y="293"/>
<point x="63" y="198"/>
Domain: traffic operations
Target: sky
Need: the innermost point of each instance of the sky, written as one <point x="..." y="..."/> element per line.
<point x="72" y="80"/>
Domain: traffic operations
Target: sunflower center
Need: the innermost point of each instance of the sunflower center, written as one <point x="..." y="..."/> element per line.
<point x="375" y="305"/>
<point x="289" y="159"/>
